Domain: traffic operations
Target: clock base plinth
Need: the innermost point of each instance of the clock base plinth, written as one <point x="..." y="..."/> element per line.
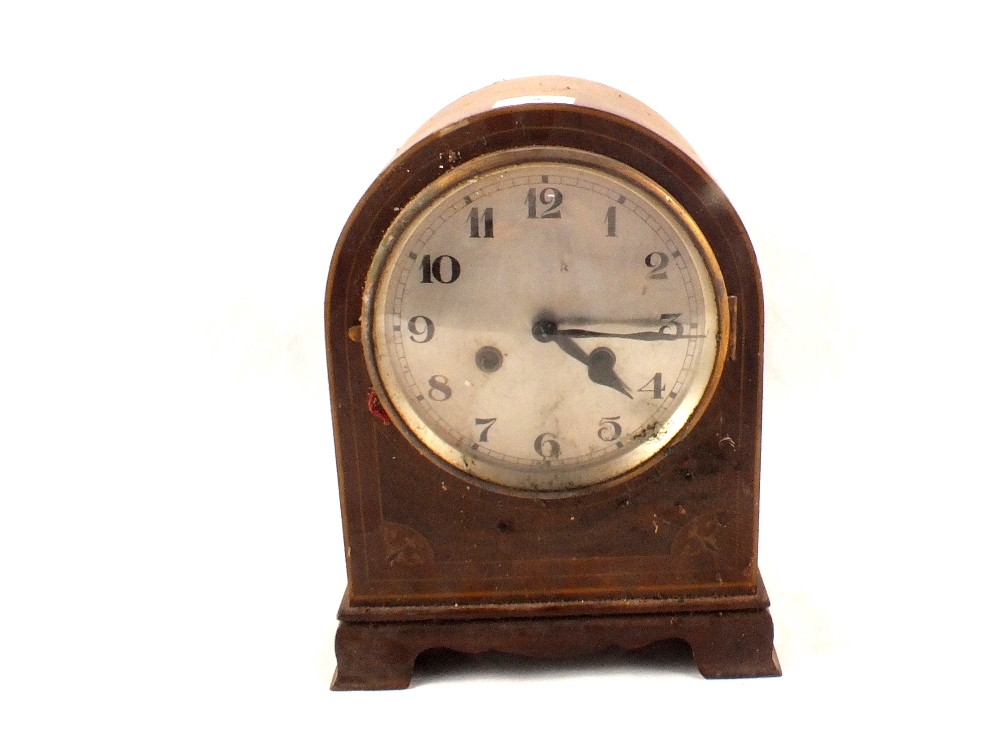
<point x="725" y="644"/>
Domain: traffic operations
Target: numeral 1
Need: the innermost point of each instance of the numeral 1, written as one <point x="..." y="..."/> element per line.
<point x="609" y="219"/>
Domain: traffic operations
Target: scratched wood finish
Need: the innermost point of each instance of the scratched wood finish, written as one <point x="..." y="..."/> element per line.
<point x="677" y="536"/>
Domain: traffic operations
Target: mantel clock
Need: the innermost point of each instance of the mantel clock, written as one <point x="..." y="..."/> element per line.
<point x="544" y="330"/>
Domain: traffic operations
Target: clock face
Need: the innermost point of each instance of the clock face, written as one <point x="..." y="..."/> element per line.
<point x="544" y="320"/>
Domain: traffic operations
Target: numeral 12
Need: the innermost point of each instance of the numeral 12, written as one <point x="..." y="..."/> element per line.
<point x="549" y="197"/>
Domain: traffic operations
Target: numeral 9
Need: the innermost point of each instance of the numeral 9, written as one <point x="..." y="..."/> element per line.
<point x="425" y="329"/>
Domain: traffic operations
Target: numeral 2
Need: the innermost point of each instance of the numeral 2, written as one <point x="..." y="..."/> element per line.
<point x="657" y="262"/>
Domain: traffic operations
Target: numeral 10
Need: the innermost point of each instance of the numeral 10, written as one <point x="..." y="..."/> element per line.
<point x="431" y="271"/>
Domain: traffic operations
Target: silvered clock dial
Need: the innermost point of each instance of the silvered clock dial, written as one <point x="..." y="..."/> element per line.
<point x="544" y="320"/>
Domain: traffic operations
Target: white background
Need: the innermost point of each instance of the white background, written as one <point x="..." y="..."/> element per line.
<point x="173" y="179"/>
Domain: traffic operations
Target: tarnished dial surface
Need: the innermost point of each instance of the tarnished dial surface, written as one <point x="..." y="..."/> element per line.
<point x="543" y="320"/>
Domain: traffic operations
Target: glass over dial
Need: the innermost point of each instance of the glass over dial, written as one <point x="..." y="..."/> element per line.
<point x="544" y="320"/>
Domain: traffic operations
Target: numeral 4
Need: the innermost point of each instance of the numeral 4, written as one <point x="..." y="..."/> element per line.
<point x="654" y="386"/>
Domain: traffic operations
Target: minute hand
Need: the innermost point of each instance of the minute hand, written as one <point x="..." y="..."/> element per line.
<point x="580" y="333"/>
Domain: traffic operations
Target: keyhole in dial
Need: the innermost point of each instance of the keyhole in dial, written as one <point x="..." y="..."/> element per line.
<point x="489" y="359"/>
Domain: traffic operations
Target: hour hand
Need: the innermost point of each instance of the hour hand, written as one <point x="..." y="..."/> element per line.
<point x="600" y="362"/>
<point x="601" y="369"/>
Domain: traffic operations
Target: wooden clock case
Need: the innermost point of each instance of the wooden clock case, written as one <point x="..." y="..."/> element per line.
<point x="669" y="551"/>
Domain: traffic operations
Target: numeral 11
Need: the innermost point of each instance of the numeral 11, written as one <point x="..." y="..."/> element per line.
<point x="487" y="223"/>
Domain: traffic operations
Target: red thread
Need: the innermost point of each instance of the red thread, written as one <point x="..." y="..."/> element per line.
<point x="376" y="408"/>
